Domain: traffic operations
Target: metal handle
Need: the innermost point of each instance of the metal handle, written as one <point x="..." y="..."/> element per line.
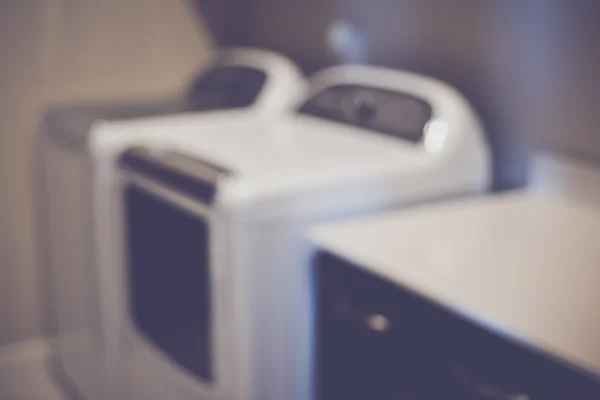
<point x="191" y="176"/>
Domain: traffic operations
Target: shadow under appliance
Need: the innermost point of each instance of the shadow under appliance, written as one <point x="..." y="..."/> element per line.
<point x="489" y="298"/>
<point x="208" y="225"/>
<point x="255" y="82"/>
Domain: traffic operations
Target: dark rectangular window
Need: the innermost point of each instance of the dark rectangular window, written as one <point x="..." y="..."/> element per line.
<point x="169" y="279"/>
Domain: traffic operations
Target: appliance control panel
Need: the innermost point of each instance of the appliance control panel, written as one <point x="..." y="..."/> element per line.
<point x="225" y="86"/>
<point x="393" y="113"/>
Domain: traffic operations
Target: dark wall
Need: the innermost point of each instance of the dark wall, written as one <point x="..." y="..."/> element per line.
<point x="528" y="66"/>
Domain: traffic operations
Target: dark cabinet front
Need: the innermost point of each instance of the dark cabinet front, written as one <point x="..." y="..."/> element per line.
<point x="376" y="340"/>
<point x="169" y="279"/>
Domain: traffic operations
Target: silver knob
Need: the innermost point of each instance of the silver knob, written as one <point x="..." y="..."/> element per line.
<point x="378" y="322"/>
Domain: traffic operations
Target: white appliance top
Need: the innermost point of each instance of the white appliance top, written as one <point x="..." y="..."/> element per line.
<point x="525" y="265"/>
<point x="263" y="151"/>
<point x="273" y="156"/>
<point x="279" y="158"/>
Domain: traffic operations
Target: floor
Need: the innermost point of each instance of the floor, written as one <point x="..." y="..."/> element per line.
<point x="24" y="372"/>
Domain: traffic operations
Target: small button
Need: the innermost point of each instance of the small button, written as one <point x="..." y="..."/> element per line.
<point x="378" y="322"/>
<point x="364" y="107"/>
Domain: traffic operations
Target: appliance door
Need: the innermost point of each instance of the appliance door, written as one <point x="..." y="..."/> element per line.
<point x="176" y="316"/>
<point x="377" y="340"/>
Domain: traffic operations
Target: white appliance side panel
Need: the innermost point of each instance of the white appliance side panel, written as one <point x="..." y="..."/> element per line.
<point x="256" y="281"/>
<point x="67" y="189"/>
<point x="272" y="279"/>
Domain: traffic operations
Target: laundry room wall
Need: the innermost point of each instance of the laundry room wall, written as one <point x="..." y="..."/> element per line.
<point x="528" y="66"/>
<point x="70" y="51"/>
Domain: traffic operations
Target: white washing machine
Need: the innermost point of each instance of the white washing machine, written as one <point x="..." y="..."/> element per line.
<point x="488" y="298"/>
<point x="204" y="231"/>
<point x="253" y="82"/>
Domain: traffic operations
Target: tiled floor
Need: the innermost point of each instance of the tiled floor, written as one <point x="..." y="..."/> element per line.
<point x="24" y="372"/>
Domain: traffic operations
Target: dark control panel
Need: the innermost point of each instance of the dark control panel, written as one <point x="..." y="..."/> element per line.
<point x="380" y="110"/>
<point x="226" y="87"/>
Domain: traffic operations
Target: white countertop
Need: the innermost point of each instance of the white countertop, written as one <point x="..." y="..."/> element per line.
<point x="520" y="263"/>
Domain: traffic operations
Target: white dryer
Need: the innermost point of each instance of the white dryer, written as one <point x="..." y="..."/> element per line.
<point x="256" y="83"/>
<point x="488" y="298"/>
<point x="203" y="233"/>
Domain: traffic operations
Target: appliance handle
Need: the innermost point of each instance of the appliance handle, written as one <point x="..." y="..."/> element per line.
<point x="196" y="178"/>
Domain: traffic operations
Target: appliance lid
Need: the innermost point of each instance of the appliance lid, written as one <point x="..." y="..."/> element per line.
<point x="520" y="264"/>
<point x="268" y="155"/>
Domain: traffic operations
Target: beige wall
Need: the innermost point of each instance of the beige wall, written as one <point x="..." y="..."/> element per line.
<point x="64" y="51"/>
